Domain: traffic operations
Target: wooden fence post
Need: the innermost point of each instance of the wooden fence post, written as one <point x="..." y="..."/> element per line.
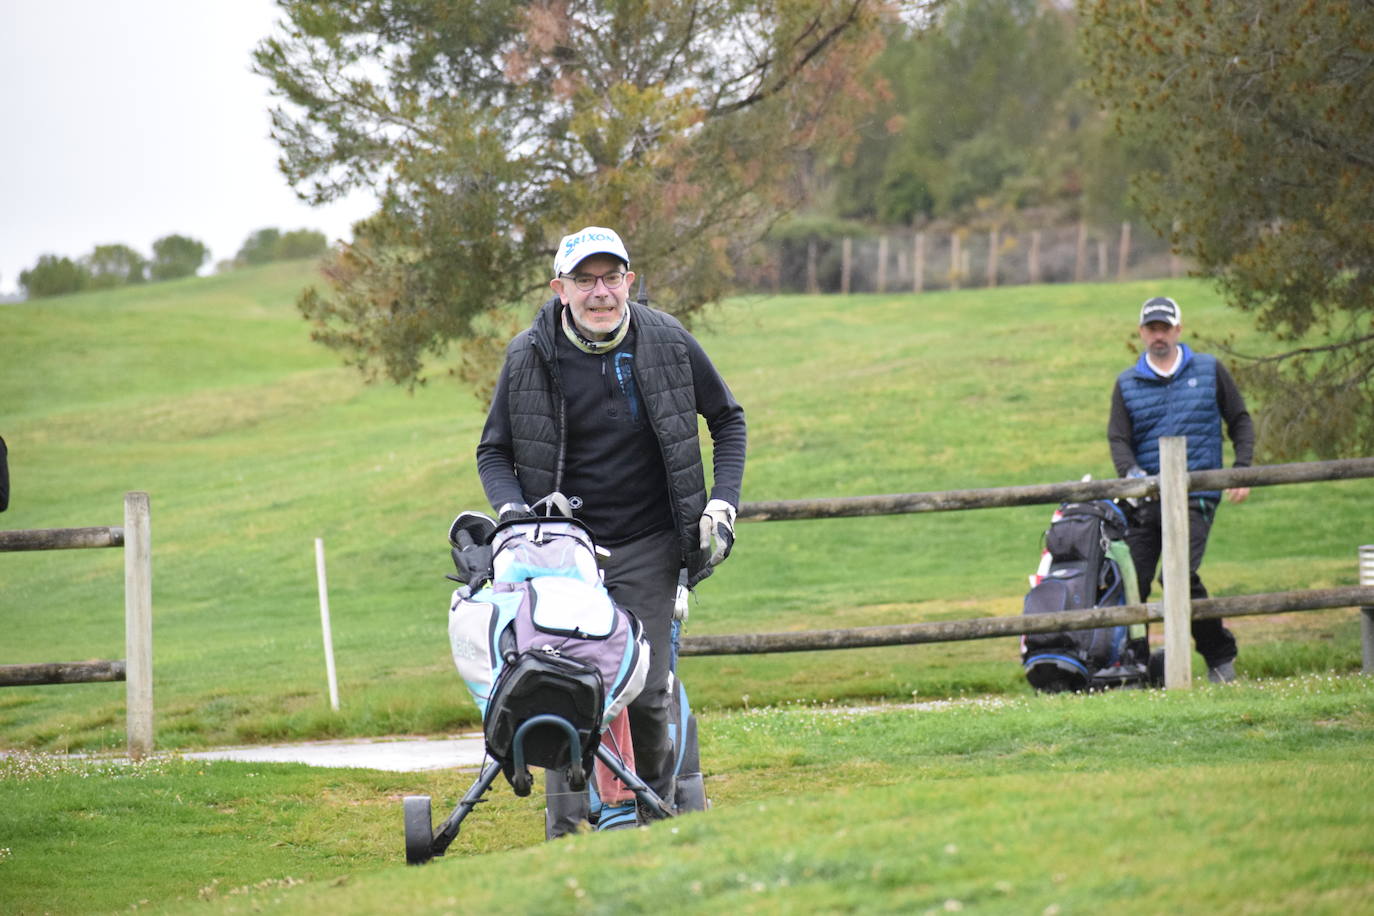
<point x="955" y="261"/>
<point x="812" y="286"/>
<point x="882" y="264"/>
<point x="1175" y="263"/>
<point x="138" y="624"/>
<point x="1367" y="613"/>
<point x="1123" y="252"/>
<point x="992" y="257"/>
<point x="1178" y="606"/>
<point x="846" y="263"/>
<point x="1080" y="252"/>
<point x="1101" y="260"/>
<point x="1034" y="258"/>
<point x="918" y="270"/>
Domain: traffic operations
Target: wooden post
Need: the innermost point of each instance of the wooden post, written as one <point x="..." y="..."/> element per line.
<point x="1034" y="259"/>
<point x="846" y="263"/>
<point x="882" y="264"/>
<point x="955" y="261"/>
<point x="1178" y="609"/>
<point x="138" y="624"/>
<point x="1367" y="613"/>
<point x="1123" y="252"/>
<point x="812" y="286"/>
<point x="992" y="257"/>
<point x="918" y="257"/>
<point x="1175" y="264"/>
<point x="1080" y="252"/>
<point x="1101" y="260"/>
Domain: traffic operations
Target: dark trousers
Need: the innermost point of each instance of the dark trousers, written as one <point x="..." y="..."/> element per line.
<point x="642" y="578"/>
<point x="1146" y="540"/>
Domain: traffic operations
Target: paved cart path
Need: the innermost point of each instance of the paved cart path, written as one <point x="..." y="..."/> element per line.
<point x="398" y="754"/>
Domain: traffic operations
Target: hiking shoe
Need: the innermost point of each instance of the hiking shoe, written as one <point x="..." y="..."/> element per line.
<point x="1224" y="673"/>
<point x="618" y="817"/>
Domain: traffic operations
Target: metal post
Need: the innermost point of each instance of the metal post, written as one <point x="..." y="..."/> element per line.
<point x="1367" y="613"/>
<point x="138" y="624"/>
<point x="1178" y="605"/>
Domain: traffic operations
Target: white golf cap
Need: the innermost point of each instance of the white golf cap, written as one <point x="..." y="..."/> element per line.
<point x="583" y="244"/>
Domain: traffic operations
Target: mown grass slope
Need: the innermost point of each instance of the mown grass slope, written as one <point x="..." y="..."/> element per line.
<point x="252" y="441"/>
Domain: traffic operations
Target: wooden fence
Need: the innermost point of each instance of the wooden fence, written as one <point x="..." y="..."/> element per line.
<point x="1175" y="611"/>
<point x="136" y="669"/>
<point x="955" y="257"/>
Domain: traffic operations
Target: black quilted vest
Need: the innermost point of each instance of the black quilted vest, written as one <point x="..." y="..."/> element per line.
<point x="663" y="374"/>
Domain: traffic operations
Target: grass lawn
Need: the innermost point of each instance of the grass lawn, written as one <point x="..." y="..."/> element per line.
<point x="1241" y="799"/>
<point x="252" y="442"/>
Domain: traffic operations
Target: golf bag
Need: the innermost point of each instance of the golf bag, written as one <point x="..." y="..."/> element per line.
<point x="535" y="633"/>
<point x="1086" y="564"/>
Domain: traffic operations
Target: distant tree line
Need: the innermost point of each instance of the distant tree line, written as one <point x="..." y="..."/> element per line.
<point x="174" y="256"/>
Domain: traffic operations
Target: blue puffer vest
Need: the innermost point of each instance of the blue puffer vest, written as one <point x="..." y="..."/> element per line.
<point x="1184" y="404"/>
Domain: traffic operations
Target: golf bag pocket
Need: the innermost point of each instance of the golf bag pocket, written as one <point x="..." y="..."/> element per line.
<point x="477" y="628"/>
<point x="570" y="607"/>
<point x="570" y="617"/>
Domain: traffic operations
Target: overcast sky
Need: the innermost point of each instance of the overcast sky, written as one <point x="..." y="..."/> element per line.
<point x="127" y="120"/>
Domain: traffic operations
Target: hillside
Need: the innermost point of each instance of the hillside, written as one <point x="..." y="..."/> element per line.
<point x="252" y="442"/>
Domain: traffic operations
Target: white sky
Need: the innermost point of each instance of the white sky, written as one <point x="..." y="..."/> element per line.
<point x="127" y="120"/>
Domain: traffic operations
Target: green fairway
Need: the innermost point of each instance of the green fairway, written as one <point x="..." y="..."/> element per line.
<point x="252" y="442"/>
<point x="1242" y="799"/>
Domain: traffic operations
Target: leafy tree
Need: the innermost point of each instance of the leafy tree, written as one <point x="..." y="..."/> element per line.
<point x="1265" y="111"/>
<point x="982" y="112"/>
<point x="301" y="243"/>
<point x="115" y="265"/>
<point x="259" y="248"/>
<point x="491" y="129"/>
<point x="54" y="276"/>
<point x="177" y="256"/>
<point x="268" y="245"/>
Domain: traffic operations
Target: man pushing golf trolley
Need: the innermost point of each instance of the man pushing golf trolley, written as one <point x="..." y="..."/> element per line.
<point x="552" y="663"/>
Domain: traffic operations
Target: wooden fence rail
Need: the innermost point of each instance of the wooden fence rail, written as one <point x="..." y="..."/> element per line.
<point x="1041" y="494"/>
<point x="1177" y="609"/>
<point x="906" y="634"/>
<point x="61" y="538"/>
<point x="136" y="669"/>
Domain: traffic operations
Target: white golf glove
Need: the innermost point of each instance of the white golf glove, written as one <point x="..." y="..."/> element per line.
<point x="718" y="530"/>
<point x="680" y="607"/>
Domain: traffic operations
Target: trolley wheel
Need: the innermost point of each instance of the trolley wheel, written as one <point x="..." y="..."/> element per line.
<point x="577" y="776"/>
<point x="522" y="782"/>
<point x="419" y="830"/>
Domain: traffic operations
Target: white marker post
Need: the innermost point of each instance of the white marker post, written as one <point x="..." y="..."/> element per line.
<point x="324" y="624"/>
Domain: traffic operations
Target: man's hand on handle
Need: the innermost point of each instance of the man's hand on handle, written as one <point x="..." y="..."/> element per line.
<point x="718" y="530"/>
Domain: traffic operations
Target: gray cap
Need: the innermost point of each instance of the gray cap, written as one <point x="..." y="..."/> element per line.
<point x="1161" y="308"/>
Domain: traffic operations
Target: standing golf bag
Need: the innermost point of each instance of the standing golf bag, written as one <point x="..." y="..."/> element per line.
<point x="1086" y="564"/>
<point x="538" y="635"/>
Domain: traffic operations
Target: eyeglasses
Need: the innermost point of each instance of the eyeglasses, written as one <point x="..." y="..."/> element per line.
<point x="587" y="282"/>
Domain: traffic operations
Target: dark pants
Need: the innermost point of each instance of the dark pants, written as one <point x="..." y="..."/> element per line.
<point x="642" y="578"/>
<point x="1214" y="641"/>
